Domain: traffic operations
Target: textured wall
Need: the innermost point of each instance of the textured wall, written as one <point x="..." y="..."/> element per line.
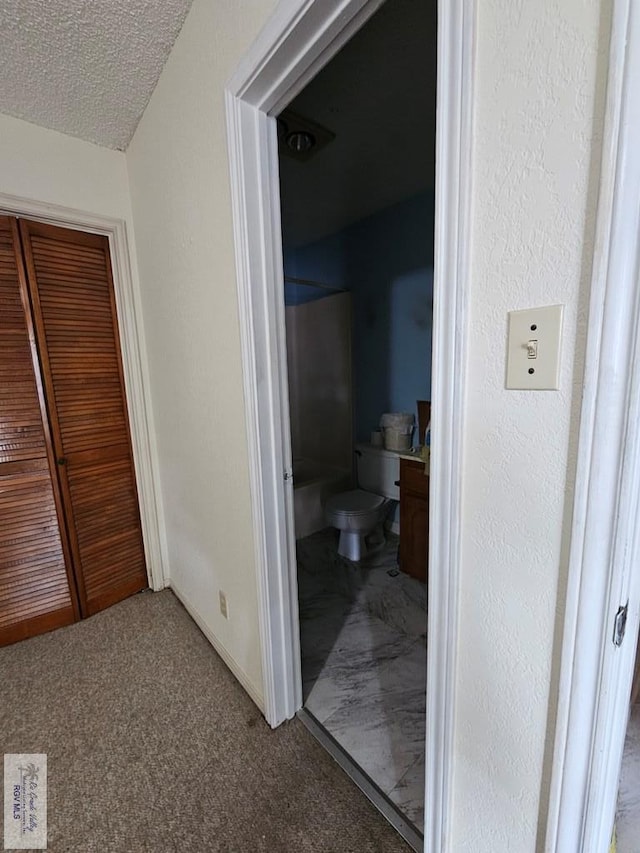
<point x="536" y="156"/>
<point x="44" y="165"/>
<point x="535" y="165"/>
<point x="179" y="177"/>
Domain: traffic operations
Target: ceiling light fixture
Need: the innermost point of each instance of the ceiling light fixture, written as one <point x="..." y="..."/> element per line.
<point x="300" y="141"/>
<point x="301" y="138"/>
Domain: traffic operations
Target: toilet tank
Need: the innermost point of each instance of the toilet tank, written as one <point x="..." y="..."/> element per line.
<point x="378" y="469"/>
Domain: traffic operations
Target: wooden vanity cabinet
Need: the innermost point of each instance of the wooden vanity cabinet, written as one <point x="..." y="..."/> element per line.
<point x="414" y="518"/>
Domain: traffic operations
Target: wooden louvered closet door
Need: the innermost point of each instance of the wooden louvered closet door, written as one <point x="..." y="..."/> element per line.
<point x="36" y="587"/>
<point x="69" y="277"/>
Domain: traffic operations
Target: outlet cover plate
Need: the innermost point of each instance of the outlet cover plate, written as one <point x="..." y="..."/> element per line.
<point x="224" y="604"/>
<point x="533" y="344"/>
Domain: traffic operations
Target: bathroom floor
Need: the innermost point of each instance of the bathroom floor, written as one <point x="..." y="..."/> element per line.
<point x="628" y="813"/>
<point x="363" y="637"/>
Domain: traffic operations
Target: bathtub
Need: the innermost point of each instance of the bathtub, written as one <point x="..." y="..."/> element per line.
<point x="313" y="483"/>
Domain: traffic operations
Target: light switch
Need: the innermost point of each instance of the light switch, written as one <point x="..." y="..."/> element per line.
<point x="533" y="348"/>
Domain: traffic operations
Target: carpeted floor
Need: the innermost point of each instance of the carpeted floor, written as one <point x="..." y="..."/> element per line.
<point x="153" y="746"/>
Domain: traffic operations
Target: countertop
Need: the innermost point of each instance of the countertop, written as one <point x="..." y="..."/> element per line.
<point x="415" y="454"/>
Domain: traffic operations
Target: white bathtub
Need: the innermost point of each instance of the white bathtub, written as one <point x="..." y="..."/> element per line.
<point x="313" y="483"/>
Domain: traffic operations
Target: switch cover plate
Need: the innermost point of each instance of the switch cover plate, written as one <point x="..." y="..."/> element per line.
<point x="533" y="348"/>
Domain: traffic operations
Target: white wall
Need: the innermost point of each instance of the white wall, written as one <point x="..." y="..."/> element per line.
<point x="539" y="98"/>
<point x="179" y="181"/>
<point x="540" y="70"/>
<point x="47" y="166"/>
<point x="76" y="177"/>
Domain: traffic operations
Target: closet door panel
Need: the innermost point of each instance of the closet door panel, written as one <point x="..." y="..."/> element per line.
<point x="105" y="533"/>
<point x="74" y="309"/>
<point x="36" y="592"/>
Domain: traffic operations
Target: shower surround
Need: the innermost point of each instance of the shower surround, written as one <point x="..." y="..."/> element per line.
<point x="320" y="403"/>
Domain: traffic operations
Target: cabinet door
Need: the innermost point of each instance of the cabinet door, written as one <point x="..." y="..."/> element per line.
<point x="414" y="519"/>
<point x="36" y="587"/>
<point x="69" y="275"/>
<point x="414" y="544"/>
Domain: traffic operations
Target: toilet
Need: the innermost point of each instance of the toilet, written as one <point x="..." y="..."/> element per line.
<point x="359" y="513"/>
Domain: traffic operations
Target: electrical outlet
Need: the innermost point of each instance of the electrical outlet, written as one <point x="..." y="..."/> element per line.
<point x="224" y="609"/>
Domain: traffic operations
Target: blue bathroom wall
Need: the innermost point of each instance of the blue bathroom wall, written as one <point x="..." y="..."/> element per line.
<point x="296" y="292"/>
<point x="386" y="261"/>
<point x="323" y="261"/>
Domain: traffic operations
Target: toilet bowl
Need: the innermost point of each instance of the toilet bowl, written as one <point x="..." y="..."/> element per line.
<point x="359" y="514"/>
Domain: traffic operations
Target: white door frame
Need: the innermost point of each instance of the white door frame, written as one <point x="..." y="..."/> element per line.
<point x="134" y="366"/>
<point x="298" y="40"/>
<point x="604" y="573"/>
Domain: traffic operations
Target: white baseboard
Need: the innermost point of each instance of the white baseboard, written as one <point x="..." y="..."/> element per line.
<point x="237" y="671"/>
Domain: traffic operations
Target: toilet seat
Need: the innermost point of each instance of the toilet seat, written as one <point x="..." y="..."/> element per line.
<point x="354" y="503"/>
<point x="360" y="514"/>
<point x="355" y="514"/>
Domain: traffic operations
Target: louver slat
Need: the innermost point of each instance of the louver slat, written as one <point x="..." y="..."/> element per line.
<point x="35" y="590"/>
<point x="75" y="316"/>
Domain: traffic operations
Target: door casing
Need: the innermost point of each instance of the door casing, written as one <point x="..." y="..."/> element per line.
<point x="604" y="573"/>
<point x="298" y="40"/>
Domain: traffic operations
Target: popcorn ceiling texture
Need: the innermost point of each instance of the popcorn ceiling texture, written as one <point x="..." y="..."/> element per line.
<point x="85" y="67"/>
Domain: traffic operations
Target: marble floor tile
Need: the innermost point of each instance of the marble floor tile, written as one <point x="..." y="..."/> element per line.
<point x="363" y="640"/>
<point x="628" y="813"/>
<point x="351" y="641"/>
<point x="410" y="668"/>
<point x="383" y="732"/>
<point x="367" y="660"/>
<point x="391" y="598"/>
<point x="408" y="794"/>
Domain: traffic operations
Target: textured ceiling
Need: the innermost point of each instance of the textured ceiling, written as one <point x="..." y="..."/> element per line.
<point x="85" y="67"/>
<point x="378" y="95"/>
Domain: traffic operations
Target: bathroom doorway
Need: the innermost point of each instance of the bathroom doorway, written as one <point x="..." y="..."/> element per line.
<point x="357" y="190"/>
<point x="297" y="41"/>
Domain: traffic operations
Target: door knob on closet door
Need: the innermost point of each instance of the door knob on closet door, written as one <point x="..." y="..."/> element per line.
<point x="62" y="460"/>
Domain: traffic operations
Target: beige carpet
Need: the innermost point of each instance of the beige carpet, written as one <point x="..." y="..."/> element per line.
<point x="163" y="751"/>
